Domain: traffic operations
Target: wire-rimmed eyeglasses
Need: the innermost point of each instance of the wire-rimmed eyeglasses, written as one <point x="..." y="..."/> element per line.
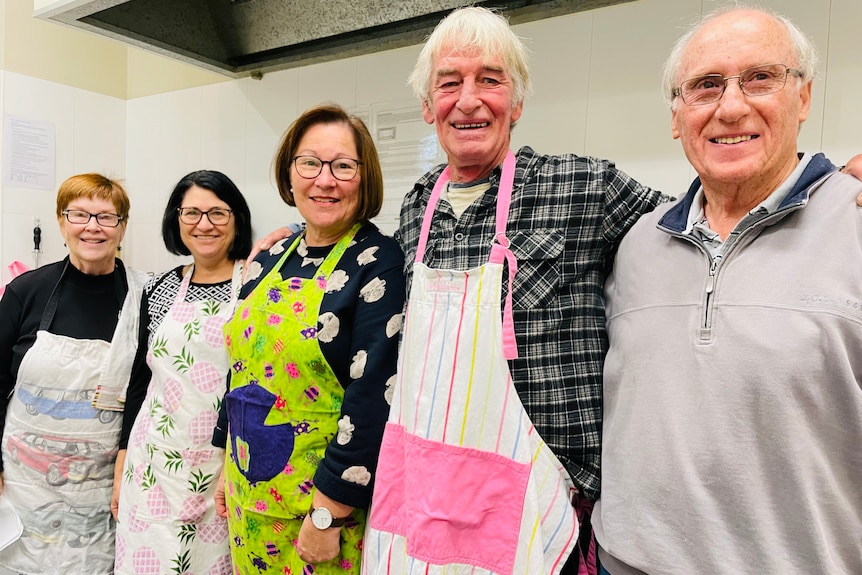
<point x="756" y="81"/>
<point x="216" y="216"/>
<point x="106" y="220"/>
<point x="309" y="167"/>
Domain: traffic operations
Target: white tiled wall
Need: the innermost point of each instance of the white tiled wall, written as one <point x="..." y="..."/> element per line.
<point x="596" y="79"/>
<point x="90" y="134"/>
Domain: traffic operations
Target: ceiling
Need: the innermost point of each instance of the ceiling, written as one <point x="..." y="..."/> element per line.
<point x="241" y="38"/>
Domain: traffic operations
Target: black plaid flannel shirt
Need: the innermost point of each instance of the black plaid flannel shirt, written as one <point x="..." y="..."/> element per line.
<point x="567" y="216"/>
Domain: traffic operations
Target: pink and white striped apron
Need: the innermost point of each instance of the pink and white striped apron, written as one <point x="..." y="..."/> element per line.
<point x="464" y="484"/>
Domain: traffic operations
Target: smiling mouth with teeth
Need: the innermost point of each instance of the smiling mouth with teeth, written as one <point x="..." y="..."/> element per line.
<point x="734" y="140"/>
<point x="468" y="126"/>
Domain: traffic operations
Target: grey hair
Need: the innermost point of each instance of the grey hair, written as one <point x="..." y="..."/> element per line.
<point x="803" y="46"/>
<point x="470" y="30"/>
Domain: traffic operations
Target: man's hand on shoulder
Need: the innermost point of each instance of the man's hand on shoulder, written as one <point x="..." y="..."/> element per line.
<point x="854" y="168"/>
<point x="270" y="240"/>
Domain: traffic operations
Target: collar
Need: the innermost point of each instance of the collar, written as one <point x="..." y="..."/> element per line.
<point x="677" y="217"/>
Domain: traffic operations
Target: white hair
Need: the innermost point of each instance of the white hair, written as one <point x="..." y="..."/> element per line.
<point x="469" y="30"/>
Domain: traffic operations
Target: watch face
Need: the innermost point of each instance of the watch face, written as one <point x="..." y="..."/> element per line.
<point x="321" y="518"/>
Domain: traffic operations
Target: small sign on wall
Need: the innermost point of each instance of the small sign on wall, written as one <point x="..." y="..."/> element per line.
<point x="28" y="153"/>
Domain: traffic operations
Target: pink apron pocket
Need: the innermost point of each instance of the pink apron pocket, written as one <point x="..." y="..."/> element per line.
<point x="452" y="504"/>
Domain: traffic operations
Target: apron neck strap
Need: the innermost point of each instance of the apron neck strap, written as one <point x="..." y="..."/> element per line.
<point x="235" y="282"/>
<point x="332" y="258"/>
<point x="504" y="200"/>
<point x="121" y="287"/>
<point x="500" y="251"/>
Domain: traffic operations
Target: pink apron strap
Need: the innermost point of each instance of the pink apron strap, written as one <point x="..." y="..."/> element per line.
<point x="500" y="251"/>
<point x="442" y="180"/>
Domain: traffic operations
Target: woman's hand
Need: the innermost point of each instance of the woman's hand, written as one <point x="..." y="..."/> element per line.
<point x="854" y="168"/>
<point x="218" y="496"/>
<point x="118" y="480"/>
<point x="319" y="545"/>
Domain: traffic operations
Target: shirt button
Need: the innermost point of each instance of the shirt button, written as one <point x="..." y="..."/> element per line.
<point x="459" y="237"/>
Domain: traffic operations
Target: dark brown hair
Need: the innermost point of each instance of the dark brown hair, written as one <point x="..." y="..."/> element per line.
<point x="370" y="173"/>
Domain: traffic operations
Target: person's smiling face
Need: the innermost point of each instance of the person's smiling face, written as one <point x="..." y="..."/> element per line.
<point x="328" y="205"/>
<point x="741" y="140"/>
<point x="471" y="105"/>
<point x="92" y="248"/>
<point x="205" y="240"/>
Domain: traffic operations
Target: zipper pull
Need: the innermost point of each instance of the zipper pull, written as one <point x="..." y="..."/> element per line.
<point x="710" y="284"/>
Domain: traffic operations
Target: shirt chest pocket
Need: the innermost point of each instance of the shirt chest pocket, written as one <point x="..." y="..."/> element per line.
<point x="538" y="278"/>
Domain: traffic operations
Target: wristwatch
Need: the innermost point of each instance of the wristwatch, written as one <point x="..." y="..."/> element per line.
<point x="322" y="518"/>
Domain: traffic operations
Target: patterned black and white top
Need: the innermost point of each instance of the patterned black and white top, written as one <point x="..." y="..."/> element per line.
<point x="159" y="295"/>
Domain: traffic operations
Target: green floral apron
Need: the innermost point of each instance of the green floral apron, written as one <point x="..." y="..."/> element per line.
<point x="283" y="408"/>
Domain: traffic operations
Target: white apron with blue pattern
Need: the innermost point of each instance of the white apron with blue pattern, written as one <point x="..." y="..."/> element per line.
<point x="59" y="450"/>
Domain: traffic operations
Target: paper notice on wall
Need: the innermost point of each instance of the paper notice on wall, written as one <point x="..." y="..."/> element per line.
<point x="408" y="148"/>
<point x="28" y="153"/>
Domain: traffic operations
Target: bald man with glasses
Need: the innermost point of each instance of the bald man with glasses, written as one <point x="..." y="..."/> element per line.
<point x="733" y="382"/>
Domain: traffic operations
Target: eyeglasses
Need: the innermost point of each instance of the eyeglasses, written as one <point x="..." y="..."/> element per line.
<point x="756" y="81"/>
<point x="105" y="220"/>
<point x="309" y="167"/>
<point x="216" y="216"/>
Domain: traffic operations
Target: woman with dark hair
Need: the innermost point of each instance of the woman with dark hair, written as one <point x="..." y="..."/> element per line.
<point x="166" y="468"/>
<point x="68" y="332"/>
<point x="313" y="347"/>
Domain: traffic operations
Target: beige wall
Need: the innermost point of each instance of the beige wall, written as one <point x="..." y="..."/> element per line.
<point x="2" y="28"/>
<point x="150" y="74"/>
<point x="76" y="58"/>
<point x="60" y="54"/>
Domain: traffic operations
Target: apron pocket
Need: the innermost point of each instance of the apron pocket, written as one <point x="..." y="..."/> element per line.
<point x="453" y="504"/>
<point x="259" y="451"/>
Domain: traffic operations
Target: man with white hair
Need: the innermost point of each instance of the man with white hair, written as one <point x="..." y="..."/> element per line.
<point x="493" y="440"/>
<point x="733" y="383"/>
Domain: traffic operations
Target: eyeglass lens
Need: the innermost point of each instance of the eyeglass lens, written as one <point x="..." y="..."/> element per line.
<point x="757" y="81"/>
<point x="105" y="220"/>
<point x="311" y="166"/>
<point x="216" y="216"/>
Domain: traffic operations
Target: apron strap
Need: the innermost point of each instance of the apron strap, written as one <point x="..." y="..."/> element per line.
<point x="120" y="289"/>
<point x="500" y="251"/>
<point x="442" y="182"/>
<point x="235" y="282"/>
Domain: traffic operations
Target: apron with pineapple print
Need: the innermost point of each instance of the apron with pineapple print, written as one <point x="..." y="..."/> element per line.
<point x="283" y="409"/>
<point x="167" y="519"/>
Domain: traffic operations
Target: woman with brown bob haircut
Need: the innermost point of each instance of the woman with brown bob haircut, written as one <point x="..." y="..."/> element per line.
<point x="370" y="173"/>
<point x="313" y="346"/>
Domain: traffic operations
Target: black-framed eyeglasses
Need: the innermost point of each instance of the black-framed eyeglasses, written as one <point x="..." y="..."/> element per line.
<point x="756" y="81"/>
<point x="309" y="167"/>
<point x="216" y="216"/>
<point x="106" y="220"/>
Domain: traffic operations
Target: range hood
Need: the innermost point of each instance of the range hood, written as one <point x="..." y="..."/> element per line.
<point x="241" y="38"/>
